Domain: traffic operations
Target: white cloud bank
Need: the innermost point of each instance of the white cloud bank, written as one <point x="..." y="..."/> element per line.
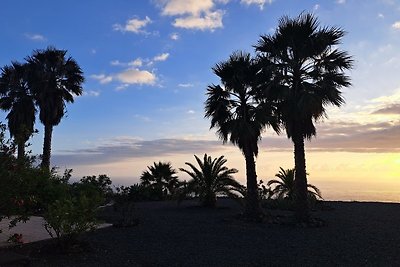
<point x="193" y="14"/>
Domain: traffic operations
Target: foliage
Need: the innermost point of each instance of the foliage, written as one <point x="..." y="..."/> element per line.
<point x="68" y="217"/>
<point x="25" y="190"/>
<point x="210" y="180"/>
<point x="285" y="188"/>
<point x="159" y="182"/>
<point x="100" y="185"/>
<point x="263" y="191"/>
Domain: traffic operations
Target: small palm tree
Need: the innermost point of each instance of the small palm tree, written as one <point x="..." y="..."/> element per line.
<point x="16" y="97"/>
<point x="161" y="178"/>
<point x="55" y="80"/>
<point x="285" y="186"/>
<point x="211" y="179"/>
<point x="307" y="75"/>
<point x="240" y="117"/>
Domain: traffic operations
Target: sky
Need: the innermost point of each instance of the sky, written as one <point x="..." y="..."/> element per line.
<point x="147" y="64"/>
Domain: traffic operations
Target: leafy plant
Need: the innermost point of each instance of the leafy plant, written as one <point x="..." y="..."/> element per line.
<point x="210" y="180"/>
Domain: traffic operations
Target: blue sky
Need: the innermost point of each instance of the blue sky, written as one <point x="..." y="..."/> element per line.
<point x="147" y="64"/>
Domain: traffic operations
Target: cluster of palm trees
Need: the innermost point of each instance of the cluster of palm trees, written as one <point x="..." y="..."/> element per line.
<point x="44" y="82"/>
<point x="296" y="73"/>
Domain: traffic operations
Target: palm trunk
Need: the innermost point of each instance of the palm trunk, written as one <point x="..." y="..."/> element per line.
<point x="48" y="131"/>
<point x="300" y="181"/>
<point x="252" y="208"/>
<point x="21" y="151"/>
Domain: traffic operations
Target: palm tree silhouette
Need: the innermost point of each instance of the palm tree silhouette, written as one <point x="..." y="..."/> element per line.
<point x="54" y="80"/>
<point x="285" y="189"/>
<point x="161" y="178"/>
<point x="307" y="75"/>
<point x="240" y="117"/>
<point x="210" y="179"/>
<point x="16" y="97"/>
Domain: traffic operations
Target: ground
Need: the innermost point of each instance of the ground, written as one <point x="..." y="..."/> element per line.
<point x="355" y="234"/>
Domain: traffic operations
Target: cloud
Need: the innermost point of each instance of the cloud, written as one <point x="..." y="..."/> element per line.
<point x="134" y="25"/>
<point x="391" y="109"/>
<point x="135" y="63"/>
<point x="316" y="6"/>
<point x="331" y="137"/>
<point x="161" y="57"/>
<point x="191" y="111"/>
<point x="185" y="85"/>
<point x="102" y="78"/>
<point x="340" y="2"/>
<point x="174" y="36"/>
<point x="396" y="25"/>
<point x="183" y="7"/>
<point x="136" y="76"/>
<point x="381" y="16"/>
<point x="35" y="37"/>
<point x="260" y="3"/>
<point x="119" y="149"/>
<point x="193" y="14"/>
<point x="91" y="93"/>
<point x="210" y="21"/>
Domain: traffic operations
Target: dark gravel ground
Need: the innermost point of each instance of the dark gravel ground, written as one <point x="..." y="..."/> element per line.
<point x="355" y="234"/>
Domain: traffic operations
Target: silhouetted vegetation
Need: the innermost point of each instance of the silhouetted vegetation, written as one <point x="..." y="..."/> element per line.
<point x="54" y="80"/>
<point x="240" y="116"/>
<point x="305" y="72"/>
<point x="17" y="97"/>
<point x="210" y="180"/>
<point x="159" y="182"/>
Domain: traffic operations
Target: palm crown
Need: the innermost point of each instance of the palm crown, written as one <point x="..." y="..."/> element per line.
<point x="210" y="179"/>
<point x="308" y="70"/>
<point x="16" y="96"/>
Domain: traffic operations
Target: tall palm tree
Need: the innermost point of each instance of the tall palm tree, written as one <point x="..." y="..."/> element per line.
<point x="210" y="179"/>
<point x="160" y="177"/>
<point x="284" y="186"/>
<point x="16" y="97"/>
<point x="239" y="116"/>
<point x="54" y="79"/>
<point x="308" y="71"/>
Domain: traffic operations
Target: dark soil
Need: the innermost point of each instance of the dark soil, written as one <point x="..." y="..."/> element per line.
<point x="354" y="234"/>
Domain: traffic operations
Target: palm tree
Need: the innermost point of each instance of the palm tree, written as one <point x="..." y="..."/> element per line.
<point x="211" y="179"/>
<point x="160" y="177"/>
<point x="285" y="188"/>
<point x="16" y="97"/>
<point x="307" y="75"/>
<point x="54" y="79"/>
<point x="240" y="117"/>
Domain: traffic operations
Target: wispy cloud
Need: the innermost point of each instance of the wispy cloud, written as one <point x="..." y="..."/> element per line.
<point x="102" y="78"/>
<point x="161" y="57"/>
<point x="134" y="25"/>
<point x="92" y="93"/>
<point x="340" y="2"/>
<point x="260" y="3"/>
<point x="35" y="37"/>
<point x="185" y="85"/>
